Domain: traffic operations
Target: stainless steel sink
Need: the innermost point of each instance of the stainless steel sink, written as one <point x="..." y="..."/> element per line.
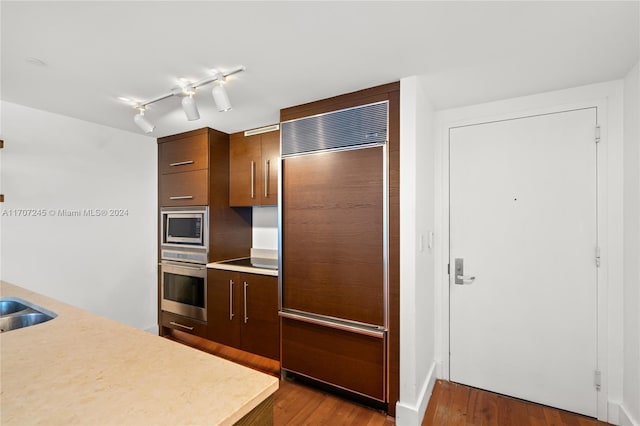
<point x="18" y="313"/>
<point x="11" y="306"/>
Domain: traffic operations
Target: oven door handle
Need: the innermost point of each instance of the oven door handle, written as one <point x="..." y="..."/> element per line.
<point x="184" y="266"/>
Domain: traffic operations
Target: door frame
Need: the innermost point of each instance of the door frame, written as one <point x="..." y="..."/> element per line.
<point x="606" y="97"/>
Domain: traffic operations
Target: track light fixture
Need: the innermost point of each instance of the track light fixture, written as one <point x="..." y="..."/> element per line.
<point x="220" y="95"/>
<point x="142" y="122"/>
<point x="190" y="108"/>
<point x="188" y="102"/>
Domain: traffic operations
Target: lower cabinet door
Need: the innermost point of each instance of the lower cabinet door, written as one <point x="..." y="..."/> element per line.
<point x="345" y="359"/>
<point x="223" y="307"/>
<point x="260" y="322"/>
<point x="242" y="311"/>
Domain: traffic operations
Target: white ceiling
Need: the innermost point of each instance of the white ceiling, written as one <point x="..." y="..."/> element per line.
<point x="297" y="52"/>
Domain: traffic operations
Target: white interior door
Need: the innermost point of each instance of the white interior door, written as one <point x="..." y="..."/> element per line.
<point x="523" y="219"/>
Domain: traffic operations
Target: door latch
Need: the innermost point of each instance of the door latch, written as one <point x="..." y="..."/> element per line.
<point x="460" y="278"/>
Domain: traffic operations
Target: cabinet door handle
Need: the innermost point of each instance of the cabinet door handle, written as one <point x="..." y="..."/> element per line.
<point x="181" y="163"/>
<point x="230" y="300"/>
<point x="177" y="324"/>
<point x="266" y="178"/>
<point x="253" y="179"/>
<point x="181" y="197"/>
<point x="246" y="316"/>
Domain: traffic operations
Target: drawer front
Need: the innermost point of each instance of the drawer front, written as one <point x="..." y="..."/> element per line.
<point x="183" y="155"/>
<point x="183" y="324"/>
<point x="345" y="359"/>
<point x="184" y="189"/>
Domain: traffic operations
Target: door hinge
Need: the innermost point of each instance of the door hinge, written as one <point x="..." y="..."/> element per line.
<point x="597" y="379"/>
<point x="597" y="134"/>
<point x="448" y="269"/>
<point x="597" y="257"/>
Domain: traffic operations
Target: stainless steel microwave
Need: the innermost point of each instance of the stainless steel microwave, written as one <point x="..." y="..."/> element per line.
<point x="184" y="226"/>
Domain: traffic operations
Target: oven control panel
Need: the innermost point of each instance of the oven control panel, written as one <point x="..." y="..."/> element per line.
<point x="184" y="256"/>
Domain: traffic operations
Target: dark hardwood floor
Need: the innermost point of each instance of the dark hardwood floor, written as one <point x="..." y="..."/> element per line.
<point x="451" y="404"/>
<point x="247" y="359"/>
<point x="297" y="404"/>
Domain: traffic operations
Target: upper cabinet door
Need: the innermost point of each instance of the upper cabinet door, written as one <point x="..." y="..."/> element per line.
<point x="183" y="155"/>
<point x="253" y="169"/>
<point x="244" y="170"/>
<point x="270" y="145"/>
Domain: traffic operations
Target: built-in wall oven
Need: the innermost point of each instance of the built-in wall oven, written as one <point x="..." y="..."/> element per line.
<point x="184" y="240"/>
<point x="183" y="288"/>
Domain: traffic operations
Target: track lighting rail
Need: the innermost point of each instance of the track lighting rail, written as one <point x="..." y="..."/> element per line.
<point x="186" y="92"/>
<point x="216" y="77"/>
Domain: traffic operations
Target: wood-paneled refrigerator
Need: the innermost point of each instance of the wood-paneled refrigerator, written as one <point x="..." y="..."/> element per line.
<point x="334" y="249"/>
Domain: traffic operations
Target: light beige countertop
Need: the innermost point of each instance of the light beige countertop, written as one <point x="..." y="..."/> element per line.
<point x="258" y="256"/>
<point x="83" y="369"/>
<point x="242" y="268"/>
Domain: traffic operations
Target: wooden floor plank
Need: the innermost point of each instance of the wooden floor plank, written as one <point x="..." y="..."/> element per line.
<point x="441" y="416"/>
<point x="552" y="417"/>
<point x="535" y="415"/>
<point x="303" y="413"/>
<point x="519" y="412"/>
<point x="459" y="406"/>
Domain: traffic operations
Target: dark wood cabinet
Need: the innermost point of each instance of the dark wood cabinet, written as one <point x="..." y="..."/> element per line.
<point x="260" y="325"/>
<point x="184" y="189"/>
<point x="184" y="155"/>
<point x="243" y="311"/>
<point x="193" y="170"/>
<point x="223" y="307"/>
<point x="253" y="169"/>
<point x="183" y="167"/>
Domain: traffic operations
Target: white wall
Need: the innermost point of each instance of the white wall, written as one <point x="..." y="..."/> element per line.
<point x="265" y="228"/>
<point x="417" y="301"/>
<point x="631" y="390"/>
<point x="51" y="163"/>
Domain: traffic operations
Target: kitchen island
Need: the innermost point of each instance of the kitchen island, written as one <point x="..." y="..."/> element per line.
<point x="80" y="368"/>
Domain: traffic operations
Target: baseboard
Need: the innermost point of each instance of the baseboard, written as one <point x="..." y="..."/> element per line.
<point x="153" y="329"/>
<point x="613" y="413"/>
<point x="412" y="414"/>
<point x="625" y="418"/>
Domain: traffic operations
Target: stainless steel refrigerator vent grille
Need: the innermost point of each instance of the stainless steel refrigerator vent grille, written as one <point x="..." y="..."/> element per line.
<point x="352" y="127"/>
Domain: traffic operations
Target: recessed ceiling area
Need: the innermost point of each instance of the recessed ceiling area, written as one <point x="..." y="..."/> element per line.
<point x="80" y="58"/>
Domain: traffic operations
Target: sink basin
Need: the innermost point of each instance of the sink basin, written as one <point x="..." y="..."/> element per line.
<point x="12" y="322"/>
<point x="17" y="313"/>
<point x="11" y="306"/>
